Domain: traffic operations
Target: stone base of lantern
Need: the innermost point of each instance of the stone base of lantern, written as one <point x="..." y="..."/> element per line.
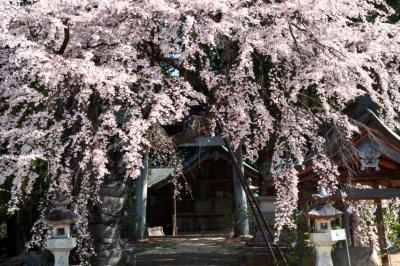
<point x="323" y="248"/>
<point x="267" y="207"/>
<point x="60" y="247"/>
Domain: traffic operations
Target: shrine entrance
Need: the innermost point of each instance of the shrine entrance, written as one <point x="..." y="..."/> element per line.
<point x="206" y="203"/>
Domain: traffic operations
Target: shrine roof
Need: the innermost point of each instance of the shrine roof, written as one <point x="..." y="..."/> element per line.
<point x="372" y="159"/>
<point x="160" y="175"/>
<point x="157" y="175"/>
<point x="62" y="216"/>
<point x="324" y="210"/>
<point x="369" y="112"/>
<point x="380" y="137"/>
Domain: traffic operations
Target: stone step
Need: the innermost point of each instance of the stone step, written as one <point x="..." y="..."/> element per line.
<point x="186" y="262"/>
<point x="181" y="259"/>
<point x="190" y="255"/>
<point x="197" y="259"/>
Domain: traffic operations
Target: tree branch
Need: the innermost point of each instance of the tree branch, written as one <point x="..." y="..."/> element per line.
<point x="294" y="39"/>
<point x="65" y="41"/>
<point x="193" y="77"/>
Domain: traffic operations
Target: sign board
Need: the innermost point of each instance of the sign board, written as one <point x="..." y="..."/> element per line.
<point x="339" y="234"/>
<point x="155" y="231"/>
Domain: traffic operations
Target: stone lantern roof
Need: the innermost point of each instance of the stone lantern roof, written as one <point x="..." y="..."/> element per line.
<point x="60" y="214"/>
<point x="324" y="210"/>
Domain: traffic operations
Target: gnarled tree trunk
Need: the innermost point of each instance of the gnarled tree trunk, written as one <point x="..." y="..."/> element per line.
<point x="104" y="222"/>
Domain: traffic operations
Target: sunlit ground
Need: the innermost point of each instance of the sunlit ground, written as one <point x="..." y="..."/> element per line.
<point x="191" y="244"/>
<point x="395" y="258"/>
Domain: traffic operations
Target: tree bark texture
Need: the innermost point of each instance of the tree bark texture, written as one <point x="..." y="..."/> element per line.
<point x="264" y="167"/>
<point x="104" y="220"/>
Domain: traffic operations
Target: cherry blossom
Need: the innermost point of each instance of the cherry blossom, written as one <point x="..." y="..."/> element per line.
<point x="80" y="78"/>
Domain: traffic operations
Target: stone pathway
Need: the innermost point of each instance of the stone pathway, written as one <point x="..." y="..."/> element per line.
<point x="185" y="251"/>
<point x="191" y="244"/>
<point x="395" y="259"/>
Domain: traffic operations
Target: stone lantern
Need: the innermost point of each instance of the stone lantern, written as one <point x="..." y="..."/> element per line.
<point x="61" y="219"/>
<point x="323" y="237"/>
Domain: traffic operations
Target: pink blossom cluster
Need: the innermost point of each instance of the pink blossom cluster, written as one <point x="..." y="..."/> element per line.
<point x="81" y="77"/>
<point x="363" y="224"/>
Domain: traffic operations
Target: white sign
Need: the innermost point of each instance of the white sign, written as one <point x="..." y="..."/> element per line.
<point x="339" y="234"/>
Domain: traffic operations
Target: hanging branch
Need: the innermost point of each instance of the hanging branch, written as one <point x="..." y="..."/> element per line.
<point x="66" y="39"/>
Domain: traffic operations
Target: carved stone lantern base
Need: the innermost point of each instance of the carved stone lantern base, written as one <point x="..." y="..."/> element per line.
<point x="61" y="248"/>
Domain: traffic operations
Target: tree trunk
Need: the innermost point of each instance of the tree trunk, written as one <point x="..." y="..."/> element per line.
<point x="16" y="238"/>
<point x="264" y="167"/>
<point x="104" y="221"/>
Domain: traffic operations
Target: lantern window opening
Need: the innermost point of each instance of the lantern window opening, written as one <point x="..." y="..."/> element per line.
<point x="60" y="231"/>
<point x="323" y="226"/>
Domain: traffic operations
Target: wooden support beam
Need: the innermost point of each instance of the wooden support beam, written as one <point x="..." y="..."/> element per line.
<point x="241" y="213"/>
<point x="360" y="176"/>
<point x="395" y="183"/>
<point x="388" y="163"/>
<point x="381" y="233"/>
<point x="141" y="199"/>
<point x="372" y="175"/>
<point x="174" y="227"/>
<point x="372" y="193"/>
<point x="366" y="194"/>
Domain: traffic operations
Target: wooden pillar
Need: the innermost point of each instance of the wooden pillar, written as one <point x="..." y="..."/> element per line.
<point x="141" y="198"/>
<point x="381" y="233"/>
<point x="174" y="227"/>
<point x="241" y="212"/>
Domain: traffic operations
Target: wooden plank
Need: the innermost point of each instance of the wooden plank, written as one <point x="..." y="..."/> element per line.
<point x="388" y="164"/>
<point x="360" y="176"/>
<point x="388" y="174"/>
